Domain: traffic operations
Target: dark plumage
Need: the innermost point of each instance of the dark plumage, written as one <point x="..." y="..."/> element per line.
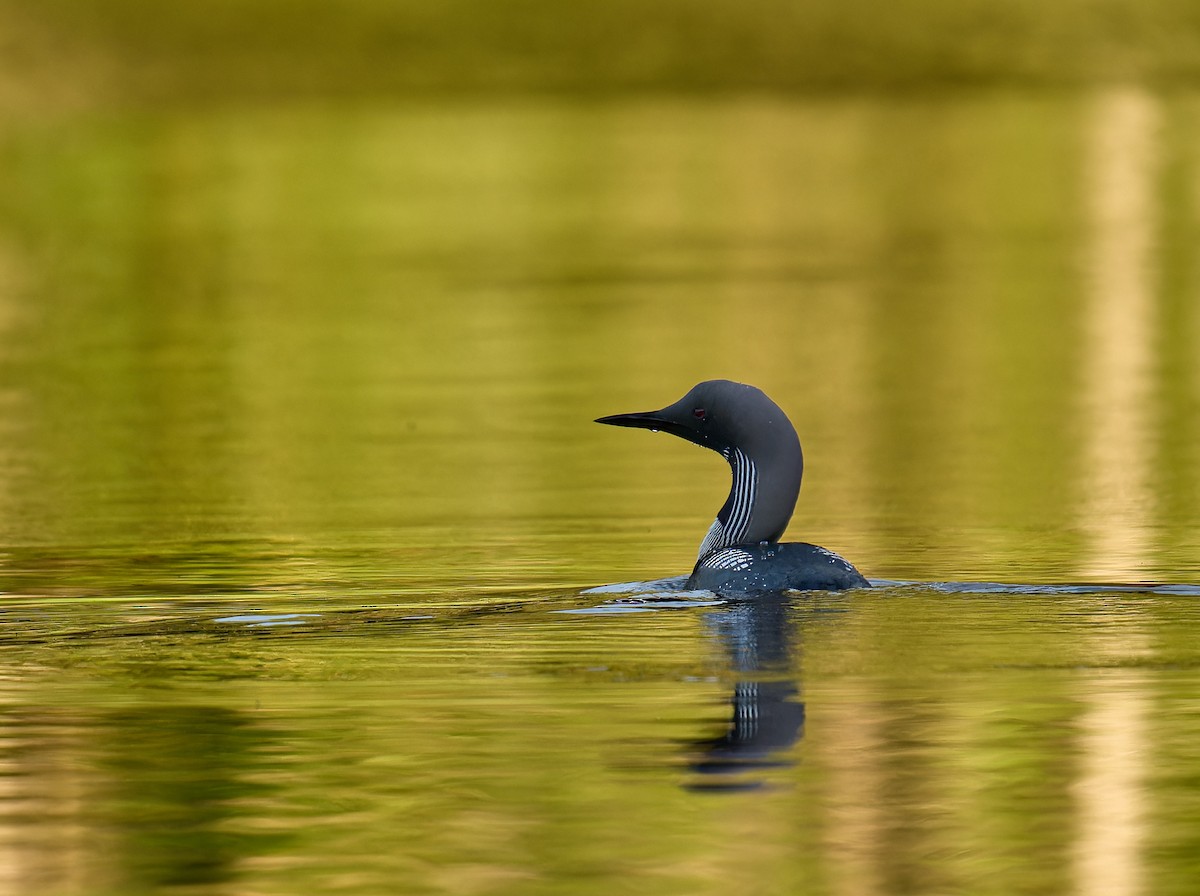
<point x="741" y="552"/>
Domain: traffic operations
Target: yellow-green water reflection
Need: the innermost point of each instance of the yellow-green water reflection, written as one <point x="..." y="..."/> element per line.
<point x="971" y="743"/>
<point x="392" y="328"/>
<point x="344" y="361"/>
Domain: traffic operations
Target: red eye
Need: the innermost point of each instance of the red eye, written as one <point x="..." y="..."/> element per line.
<point x="699" y="413"/>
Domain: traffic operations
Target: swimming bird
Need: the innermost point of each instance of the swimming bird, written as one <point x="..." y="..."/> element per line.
<point x="741" y="552"/>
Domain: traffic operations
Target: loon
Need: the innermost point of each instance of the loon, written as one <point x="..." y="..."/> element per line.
<point x="741" y="552"/>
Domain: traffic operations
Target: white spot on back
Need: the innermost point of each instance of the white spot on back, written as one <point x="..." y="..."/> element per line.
<point x="834" y="557"/>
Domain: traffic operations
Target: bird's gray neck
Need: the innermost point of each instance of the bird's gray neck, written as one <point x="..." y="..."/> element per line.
<point x="761" y="498"/>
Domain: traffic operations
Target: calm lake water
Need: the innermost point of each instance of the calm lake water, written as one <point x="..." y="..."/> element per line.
<point x="300" y="497"/>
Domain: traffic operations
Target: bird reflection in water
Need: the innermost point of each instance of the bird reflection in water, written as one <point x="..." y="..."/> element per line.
<point x="759" y="637"/>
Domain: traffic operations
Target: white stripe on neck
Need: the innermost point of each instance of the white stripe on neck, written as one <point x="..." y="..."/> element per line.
<point x="741" y="506"/>
<point x="745" y="488"/>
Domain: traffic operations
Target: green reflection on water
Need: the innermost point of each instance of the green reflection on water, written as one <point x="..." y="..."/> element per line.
<point x="970" y="743"/>
<point x="344" y="362"/>
<point x="374" y="334"/>
<point x="73" y="52"/>
<point x="178" y="774"/>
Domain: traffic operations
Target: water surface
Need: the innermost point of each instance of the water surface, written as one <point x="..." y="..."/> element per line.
<point x="299" y="496"/>
<point x="902" y="740"/>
